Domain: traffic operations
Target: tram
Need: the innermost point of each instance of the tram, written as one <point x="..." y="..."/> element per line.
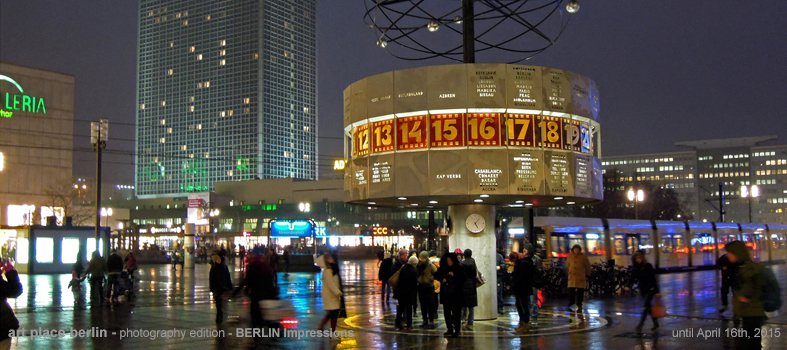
<point x="666" y="244"/>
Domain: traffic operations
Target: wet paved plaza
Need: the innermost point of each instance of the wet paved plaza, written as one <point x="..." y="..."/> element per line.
<point x="179" y="300"/>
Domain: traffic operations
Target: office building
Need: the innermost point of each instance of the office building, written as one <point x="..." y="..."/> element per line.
<point x="226" y="91"/>
<point x="696" y="175"/>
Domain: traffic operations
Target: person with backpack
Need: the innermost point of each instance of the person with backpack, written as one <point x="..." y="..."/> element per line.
<point x="523" y="288"/>
<point x="469" y="292"/>
<point x="755" y="291"/>
<point x="645" y="275"/>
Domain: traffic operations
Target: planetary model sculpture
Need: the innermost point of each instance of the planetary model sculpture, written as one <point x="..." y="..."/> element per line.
<point x="470" y="137"/>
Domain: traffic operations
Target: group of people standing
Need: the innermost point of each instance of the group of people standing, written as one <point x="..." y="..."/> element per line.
<point x="426" y="280"/>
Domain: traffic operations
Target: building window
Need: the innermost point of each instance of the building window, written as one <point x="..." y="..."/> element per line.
<point x="222" y="52"/>
<point x="246" y="100"/>
<point x="223" y="42"/>
<point x="222" y="62"/>
<point x="199" y="57"/>
<point x="191" y="108"/>
<point x="164" y="103"/>
<point x="192" y="49"/>
<point x="162" y="140"/>
<point x="170" y="72"/>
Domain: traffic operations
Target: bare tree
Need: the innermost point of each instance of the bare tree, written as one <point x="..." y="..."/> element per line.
<point x="74" y="198"/>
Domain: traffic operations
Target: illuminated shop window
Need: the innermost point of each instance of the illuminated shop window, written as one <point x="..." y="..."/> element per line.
<point x="45" y="250"/>
<point x="22" y="249"/>
<point x="70" y="249"/>
<point x="91" y="247"/>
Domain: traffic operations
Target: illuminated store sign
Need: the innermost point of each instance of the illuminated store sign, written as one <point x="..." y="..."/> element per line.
<point x="15" y="100"/>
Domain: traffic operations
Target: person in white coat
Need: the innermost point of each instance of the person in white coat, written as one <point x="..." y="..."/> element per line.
<point x="331" y="289"/>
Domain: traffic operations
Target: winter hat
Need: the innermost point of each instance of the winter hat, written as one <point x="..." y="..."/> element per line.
<point x="529" y="247"/>
<point x="739" y="249"/>
<point x="458" y="251"/>
<point x="413" y="261"/>
<point x="424" y="255"/>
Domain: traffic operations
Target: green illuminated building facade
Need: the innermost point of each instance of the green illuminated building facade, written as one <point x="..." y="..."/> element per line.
<point x="226" y="91"/>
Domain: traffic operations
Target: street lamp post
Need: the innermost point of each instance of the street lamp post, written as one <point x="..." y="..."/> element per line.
<point x="749" y="193"/>
<point x="636" y="196"/>
<point x="99" y="132"/>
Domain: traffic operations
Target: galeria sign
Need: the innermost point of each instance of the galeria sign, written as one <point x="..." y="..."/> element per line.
<point x="13" y="101"/>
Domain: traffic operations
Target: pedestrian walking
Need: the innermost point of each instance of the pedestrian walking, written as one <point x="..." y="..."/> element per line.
<point x="259" y="283"/>
<point x="10" y="287"/>
<point x="645" y="275"/>
<point x="220" y="282"/>
<point x="435" y="261"/>
<point x="452" y="278"/>
<point x="578" y="272"/>
<point x="426" y="289"/>
<point x="523" y="287"/>
<point x="753" y="289"/>
<point x="383" y="274"/>
<point x="114" y="269"/>
<point x="96" y="268"/>
<point x="331" y="289"/>
<point x="405" y="293"/>
<point x="469" y="292"/>
<point x="536" y="299"/>
<point x="286" y="258"/>
<point x="728" y="271"/>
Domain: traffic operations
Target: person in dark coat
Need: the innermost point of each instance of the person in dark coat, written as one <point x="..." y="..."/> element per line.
<point x="728" y="270"/>
<point x="10" y="287"/>
<point x="405" y="293"/>
<point x="452" y="278"/>
<point x="386" y="264"/>
<point x="114" y="268"/>
<point x="469" y="293"/>
<point x="259" y="280"/>
<point x="645" y="275"/>
<point x="524" y="270"/>
<point x="220" y="282"/>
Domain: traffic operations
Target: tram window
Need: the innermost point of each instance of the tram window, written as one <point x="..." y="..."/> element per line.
<point x="620" y="245"/>
<point x="594" y="244"/>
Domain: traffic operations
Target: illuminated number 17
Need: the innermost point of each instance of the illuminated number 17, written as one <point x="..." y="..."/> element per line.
<point x="512" y="123"/>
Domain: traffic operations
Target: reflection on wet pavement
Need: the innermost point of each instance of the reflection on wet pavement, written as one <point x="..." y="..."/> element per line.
<point x="168" y="299"/>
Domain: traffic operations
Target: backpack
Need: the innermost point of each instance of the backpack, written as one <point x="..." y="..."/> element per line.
<point x="771" y="292"/>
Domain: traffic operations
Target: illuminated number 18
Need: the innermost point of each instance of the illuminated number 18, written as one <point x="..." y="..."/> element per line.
<point x="549" y="131"/>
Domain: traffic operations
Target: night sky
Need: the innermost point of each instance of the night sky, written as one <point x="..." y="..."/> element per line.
<point x="667" y="70"/>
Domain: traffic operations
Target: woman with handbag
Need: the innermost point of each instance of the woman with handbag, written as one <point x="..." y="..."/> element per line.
<point x="331" y="289"/>
<point x="645" y="274"/>
<point x="469" y="288"/>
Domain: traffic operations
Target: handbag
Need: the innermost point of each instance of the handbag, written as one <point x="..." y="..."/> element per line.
<point x="658" y="310"/>
<point x="479" y="279"/>
<point x="342" y="309"/>
<point x="437" y="286"/>
<point x="393" y="281"/>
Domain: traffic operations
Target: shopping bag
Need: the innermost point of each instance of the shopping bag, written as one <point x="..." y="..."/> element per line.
<point x="658" y="310"/>
<point x="394" y="279"/>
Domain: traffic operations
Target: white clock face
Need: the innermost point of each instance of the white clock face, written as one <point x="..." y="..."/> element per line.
<point x="475" y="223"/>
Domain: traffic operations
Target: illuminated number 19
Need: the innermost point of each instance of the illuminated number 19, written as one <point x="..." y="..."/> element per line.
<point x="552" y="135"/>
<point x="572" y="134"/>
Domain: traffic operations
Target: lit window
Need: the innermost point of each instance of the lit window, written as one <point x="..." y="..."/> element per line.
<point x="163" y="122"/>
<point x="185" y="23"/>
<point x="142" y="106"/>
<point x="199" y="126"/>
<point x="207" y="18"/>
<point x="164" y="103"/>
<point x="183" y="147"/>
<point x="191" y="99"/>
<point x="256" y="56"/>
<point x="169" y="130"/>
<point x="222" y="52"/>
<point x="199" y="57"/>
<point x="192" y="49"/>
<point x="171" y="44"/>
<point x="223" y="43"/>
<point x="222" y="62"/>
<point x="231" y="112"/>
<point x="162" y="140"/>
<point x="2" y="161"/>
<point x="223" y="113"/>
<point x="191" y="108"/>
<point x="246" y="100"/>
<point x="170" y="71"/>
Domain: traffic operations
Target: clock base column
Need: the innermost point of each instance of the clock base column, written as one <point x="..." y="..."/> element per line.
<point x="484" y="247"/>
